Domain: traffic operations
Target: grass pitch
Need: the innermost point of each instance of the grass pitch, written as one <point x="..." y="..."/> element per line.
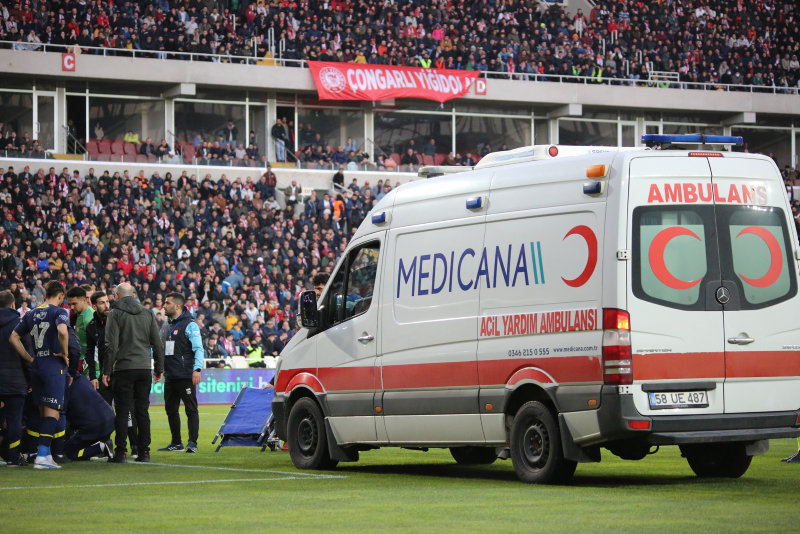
<point x="241" y="489"/>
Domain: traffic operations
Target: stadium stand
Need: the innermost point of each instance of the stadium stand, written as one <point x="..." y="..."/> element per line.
<point x="729" y="42"/>
<point x="241" y="260"/>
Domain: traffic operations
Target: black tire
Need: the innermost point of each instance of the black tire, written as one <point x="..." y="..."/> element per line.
<point x="536" y="447"/>
<point x="724" y="460"/>
<point x="473" y="455"/>
<point x="308" y="442"/>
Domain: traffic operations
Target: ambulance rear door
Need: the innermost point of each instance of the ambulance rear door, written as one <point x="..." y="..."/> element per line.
<point x="676" y="323"/>
<point x="759" y="271"/>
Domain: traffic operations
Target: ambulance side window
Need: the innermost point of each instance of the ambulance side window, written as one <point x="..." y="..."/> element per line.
<point x="353" y="284"/>
<point x="671" y="254"/>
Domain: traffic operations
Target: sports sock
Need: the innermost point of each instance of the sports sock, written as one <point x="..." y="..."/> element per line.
<point x="59" y="439"/>
<point x="46" y="430"/>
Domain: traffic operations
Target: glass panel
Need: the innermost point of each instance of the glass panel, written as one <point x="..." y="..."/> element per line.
<point x="258" y="129"/>
<point x="209" y="121"/>
<point x="691" y="129"/>
<point x="47" y="122"/>
<point x="777" y="143"/>
<point x="481" y="135"/>
<point x="670" y="256"/>
<point x="759" y="249"/>
<point x="541" y="131"/>
<point x="394" y="132"/>
<point x="331" y="127"/>
<point x="117" y="116"/>
<point x="587" y="133"/>
<point x="16" y="110"/>
<point x="628" y="135"/>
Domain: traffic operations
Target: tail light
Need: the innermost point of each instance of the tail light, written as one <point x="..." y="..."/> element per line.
<point x="617" y="363"/>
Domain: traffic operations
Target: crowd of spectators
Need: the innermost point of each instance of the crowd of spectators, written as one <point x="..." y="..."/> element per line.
<point x="240" y="259"/>
<point x="19" y="145"/>
<point x="740" y="42"/>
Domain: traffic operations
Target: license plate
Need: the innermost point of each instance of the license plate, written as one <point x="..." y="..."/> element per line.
<point x="678" y="399"/>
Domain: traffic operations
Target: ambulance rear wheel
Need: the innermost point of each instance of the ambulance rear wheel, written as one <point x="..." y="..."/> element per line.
<point x="724" y="460"/>
<point x="308" y="442"/>
<point x="536" y="447"/>
<point x="473" y="455"/>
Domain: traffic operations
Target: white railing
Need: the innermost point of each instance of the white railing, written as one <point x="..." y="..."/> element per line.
<point x="283" y="62"/>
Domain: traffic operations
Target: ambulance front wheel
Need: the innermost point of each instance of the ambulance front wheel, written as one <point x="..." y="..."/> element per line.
<point x="724" y="460"/>
<point x="308" y="442"/>
<point x="536" y="446"/>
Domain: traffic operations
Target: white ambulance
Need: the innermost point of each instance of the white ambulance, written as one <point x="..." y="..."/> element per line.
<point x="554" y="302"/>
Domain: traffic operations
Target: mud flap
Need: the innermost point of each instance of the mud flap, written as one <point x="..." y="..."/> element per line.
<point x="337" y="453"/>
<point x="574" y="452"/>
<point x="757" y="448"/>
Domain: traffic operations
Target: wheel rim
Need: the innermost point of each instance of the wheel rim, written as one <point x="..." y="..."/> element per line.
<point x="307" y="435"/>
<point x="536" y="445"/>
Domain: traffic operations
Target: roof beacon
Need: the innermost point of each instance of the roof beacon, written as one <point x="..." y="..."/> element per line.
<point x="667" y="141"/>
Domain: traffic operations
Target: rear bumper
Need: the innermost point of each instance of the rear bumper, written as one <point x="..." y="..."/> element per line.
<point x="616" y="411"/>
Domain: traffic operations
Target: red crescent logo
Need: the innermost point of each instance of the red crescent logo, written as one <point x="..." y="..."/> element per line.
<point x="656" y="257"/>
<point x="591" y="262"/>
<point x="775" y="255"/>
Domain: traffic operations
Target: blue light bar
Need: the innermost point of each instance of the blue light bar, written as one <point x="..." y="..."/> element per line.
<point x="656" y="139"/>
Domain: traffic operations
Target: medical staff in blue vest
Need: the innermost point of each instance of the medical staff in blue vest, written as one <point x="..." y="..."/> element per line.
<point x="183" y="360"/>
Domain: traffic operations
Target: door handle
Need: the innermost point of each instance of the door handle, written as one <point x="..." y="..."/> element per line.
<point x="743" y="339"/>
<point x="366" y="338"/>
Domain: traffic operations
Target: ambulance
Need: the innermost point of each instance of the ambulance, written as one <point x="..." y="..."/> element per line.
<point x="553" y="303"/>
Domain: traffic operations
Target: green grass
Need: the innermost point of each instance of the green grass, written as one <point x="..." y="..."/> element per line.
<point x="390" y="490"/>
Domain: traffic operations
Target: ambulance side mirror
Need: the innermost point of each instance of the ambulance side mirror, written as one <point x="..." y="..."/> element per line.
<point x="307" y="310"/>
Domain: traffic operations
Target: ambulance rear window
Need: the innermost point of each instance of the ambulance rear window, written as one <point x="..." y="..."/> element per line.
<point x="760" y="250"/>
<point x="671" y="254"/>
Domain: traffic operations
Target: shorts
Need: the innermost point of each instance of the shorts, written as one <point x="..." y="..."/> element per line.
<point x="49" y="387"/>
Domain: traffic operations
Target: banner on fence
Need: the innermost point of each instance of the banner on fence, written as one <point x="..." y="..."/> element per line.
<point x="352" y="81"/>
<point x="220" y="386"/>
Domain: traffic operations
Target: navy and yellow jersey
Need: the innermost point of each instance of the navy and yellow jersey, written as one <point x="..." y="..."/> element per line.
<point x="42" y="324"/>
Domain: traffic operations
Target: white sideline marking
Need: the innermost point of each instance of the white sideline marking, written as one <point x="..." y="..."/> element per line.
<point x="270" y="471"/>
<point x="168" y="483"/>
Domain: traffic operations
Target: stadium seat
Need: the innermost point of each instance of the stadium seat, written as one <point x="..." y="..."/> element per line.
<point x="239" y="362"/>
<point x="92" y="149"/>
<point x="396" y="157"/>
<point x="130" y="150"/>
<point x="118" y="147"/>
<point x="439" y="158"/>
<point x="427" y="160"/>
<point x="105" y="146"/>
<point x="151" y="158"/>
<point x="141" y="158"/>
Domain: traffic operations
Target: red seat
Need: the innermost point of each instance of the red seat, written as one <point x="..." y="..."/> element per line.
<point x="151" y="158"/>
<point x="427" y="160"/>
<point x="438" y="159"/>
<point x="130" y="149"/>
<point x="141" y="158"/>
<point x="311" y="165"/>
<point x="396" y="157"/>
<point x="118" y="147"/>
<point x="105" y="146"/>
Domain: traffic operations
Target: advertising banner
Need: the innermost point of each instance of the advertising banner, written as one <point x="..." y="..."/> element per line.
<point x="351" y="81"/>
<point x="220" y="386"/>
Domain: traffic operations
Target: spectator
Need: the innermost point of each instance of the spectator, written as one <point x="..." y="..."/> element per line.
<point x="279" y="136"/>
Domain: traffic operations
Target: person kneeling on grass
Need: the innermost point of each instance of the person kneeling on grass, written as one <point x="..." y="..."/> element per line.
<point x="795" y="458"/>
<point x="92" y="420"/>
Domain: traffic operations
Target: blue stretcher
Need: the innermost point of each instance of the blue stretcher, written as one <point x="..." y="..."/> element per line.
<point x="249" y="422"/>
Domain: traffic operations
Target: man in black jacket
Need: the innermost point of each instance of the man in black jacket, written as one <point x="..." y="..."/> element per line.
<point x="13" y="385"/>
<point x="183" y="361"/>
<point x="131" y="333"/>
